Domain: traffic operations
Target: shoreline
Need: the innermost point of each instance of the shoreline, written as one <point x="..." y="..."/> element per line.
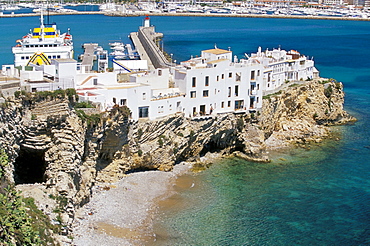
<point x="116" y="14"/>
<point x="122" y="213"/>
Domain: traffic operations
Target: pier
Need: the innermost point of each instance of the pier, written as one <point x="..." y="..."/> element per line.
<point x="140" y="49"/>
<point x="145" y="41"/>
<point x="88" y="56"/>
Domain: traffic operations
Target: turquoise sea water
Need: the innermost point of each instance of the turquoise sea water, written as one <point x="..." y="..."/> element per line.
<point x="316" y="197"/>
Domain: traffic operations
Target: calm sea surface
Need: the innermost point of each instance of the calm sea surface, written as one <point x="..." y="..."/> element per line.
<point x="316" y="197"/>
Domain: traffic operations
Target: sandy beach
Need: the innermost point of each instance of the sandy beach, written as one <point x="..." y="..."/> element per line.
<point x="122" y="213"/>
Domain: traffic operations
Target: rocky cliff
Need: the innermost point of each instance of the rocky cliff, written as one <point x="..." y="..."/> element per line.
<point x="57" y="158"/>
<point x="301" y="112"/>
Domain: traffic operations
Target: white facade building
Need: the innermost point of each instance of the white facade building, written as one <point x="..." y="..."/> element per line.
<point x="213" y="83"/>
<point x="281" y="66"/>
<point x="216" y="82"/>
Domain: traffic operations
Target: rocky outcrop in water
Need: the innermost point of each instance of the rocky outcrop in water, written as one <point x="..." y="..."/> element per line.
<point x="301" y="113"/>
<point x="57" y="158"/>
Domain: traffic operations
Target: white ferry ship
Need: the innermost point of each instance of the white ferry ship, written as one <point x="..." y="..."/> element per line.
<point x="42" y="44"/>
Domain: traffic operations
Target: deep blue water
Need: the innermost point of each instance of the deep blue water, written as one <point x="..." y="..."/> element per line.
<point x="316" y="197"/>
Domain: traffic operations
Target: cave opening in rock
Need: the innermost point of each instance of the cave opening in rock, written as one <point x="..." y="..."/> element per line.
<point x="30" y="166"/>
<point x="211" y="146"/>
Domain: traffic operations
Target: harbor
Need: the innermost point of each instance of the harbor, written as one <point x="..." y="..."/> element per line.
<point x="254" y="9"/>
<point x="305" y="196"/>
<point x="119" y="14"/>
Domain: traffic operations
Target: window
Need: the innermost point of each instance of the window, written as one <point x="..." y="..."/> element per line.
<point x="239" y="104"/>
<point x="123" y="102"/>
<point x="253" y="76"/>
<point x="230" y="75"/>
<point x="218" y="78"/>
<point x="258" y="72"/>
<point x="258" y="86"/>
<point x="194" y="82"/>
<point x="193" y="94"/>
<point x="159" y="72"/>
<point x="229" y="103"/>
<point x="229" y="92"/>
<point x="144" y="96"/>
<point x="114" y="100"/>
<point x="143" y="112"/>
<point x="238" y="77"/>
<point x="222" y="76"/>
<point x="202" y="109"/>
<point x="236" y="90"/>
<point x="222" y="104"/>
<point x="205" y="93"/>
<point x="206" y="83"/>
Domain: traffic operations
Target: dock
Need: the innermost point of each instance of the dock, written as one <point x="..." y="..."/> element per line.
<point x="130" y="52"/>
<point x="88" y="56"/>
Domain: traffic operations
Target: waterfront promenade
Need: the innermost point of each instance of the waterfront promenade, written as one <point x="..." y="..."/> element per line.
<point x="120" y="14"/>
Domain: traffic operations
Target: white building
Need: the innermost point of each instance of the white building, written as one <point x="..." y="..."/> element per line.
<point x="213" y="83"/>
<point x="281" y="66"/>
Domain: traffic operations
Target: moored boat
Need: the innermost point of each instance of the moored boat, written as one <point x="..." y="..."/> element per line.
<point x="43" y="44"/>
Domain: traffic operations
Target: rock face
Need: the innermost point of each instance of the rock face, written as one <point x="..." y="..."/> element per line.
<point x="54" y="151"/>
<point x="300" y="113"/>
<point x="45" y="144"/>
<point x="162" y="143"/>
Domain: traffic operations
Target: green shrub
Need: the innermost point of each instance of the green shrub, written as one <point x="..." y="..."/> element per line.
<point x="91" y="120"/>
<point x="84" y="104"/>
<point x="240" y="124"/>
<point x="139" y="133"/>
<point x="328" y="91"/>
<point x="160" y="142"/>
<point x="140" y="152"/>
